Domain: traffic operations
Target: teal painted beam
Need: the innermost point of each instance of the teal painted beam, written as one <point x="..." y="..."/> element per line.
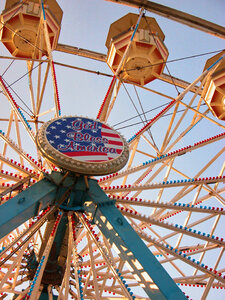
<point x="110" y="221"/>
<point x="44" y="296"/>
<point x="48" y="191"/>
<point x="25" y="205"/>
<point x="130" y="247"/>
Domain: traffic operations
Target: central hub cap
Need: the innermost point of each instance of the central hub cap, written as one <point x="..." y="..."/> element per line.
<point x="82" y="145"/>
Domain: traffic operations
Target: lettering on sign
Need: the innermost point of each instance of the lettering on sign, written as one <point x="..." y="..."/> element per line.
<point x="84" y="139"/>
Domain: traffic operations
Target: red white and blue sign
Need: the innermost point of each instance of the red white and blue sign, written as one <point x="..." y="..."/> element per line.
<point x="83" y="140"/>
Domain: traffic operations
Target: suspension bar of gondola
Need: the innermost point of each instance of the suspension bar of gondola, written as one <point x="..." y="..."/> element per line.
<point x="105" y="104"/>
<point x="49" y="50"/>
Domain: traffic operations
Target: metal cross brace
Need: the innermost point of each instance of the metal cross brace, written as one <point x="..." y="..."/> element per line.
<point x="75" y="195"/>
<point x="141" y="262"/>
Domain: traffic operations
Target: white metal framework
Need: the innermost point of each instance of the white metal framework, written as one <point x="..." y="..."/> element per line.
<point x="171" y="191"/>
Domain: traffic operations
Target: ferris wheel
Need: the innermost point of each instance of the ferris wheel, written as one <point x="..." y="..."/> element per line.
<point x="120" y="197"/>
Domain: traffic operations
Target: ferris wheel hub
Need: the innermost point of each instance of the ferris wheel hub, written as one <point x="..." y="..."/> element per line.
<point x="82" y="145"/>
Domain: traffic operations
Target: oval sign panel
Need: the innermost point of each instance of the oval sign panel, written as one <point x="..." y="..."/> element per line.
<point x="82" y="145"/>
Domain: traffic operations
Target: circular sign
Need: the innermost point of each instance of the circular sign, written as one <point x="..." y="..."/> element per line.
<point x="82" y="145"/>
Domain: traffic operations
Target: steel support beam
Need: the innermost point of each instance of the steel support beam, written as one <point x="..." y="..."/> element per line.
<point x="83" y="195"/>
<point x="176" y="15"/>
<point x="45" y="296"/>
<point x="25" y="205"/>
<point x="81" y="52"/>
<point x="102" y="57"/>
<point x="53" y="189"/>
<point x="131" y="249"/>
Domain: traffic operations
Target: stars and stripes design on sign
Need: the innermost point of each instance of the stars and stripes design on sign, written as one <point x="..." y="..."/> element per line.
<point x="84" y="139"/>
